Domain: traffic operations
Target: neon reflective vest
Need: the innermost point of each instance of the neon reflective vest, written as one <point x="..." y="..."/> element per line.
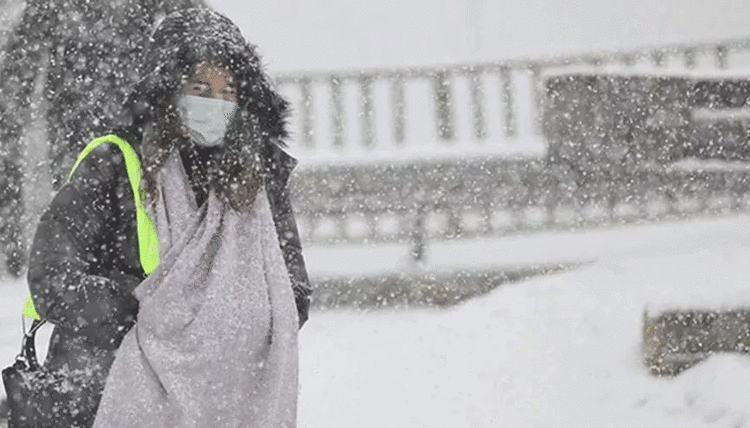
<point x="148" y="241"/>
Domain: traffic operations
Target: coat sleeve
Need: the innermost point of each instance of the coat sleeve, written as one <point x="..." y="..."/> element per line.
<point x="68" y="282"/>
<point x="291" y="248"/>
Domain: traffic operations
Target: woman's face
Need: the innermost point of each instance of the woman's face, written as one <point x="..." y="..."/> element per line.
<point x="212" y="81"/>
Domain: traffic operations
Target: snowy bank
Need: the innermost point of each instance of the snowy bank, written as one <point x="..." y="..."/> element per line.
<point x="560" y="351"/>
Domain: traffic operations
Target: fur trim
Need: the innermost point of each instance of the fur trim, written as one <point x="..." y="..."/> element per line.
<point x="187" y="37"/>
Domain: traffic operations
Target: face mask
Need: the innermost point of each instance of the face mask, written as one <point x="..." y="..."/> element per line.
<point x="207" y="119"/>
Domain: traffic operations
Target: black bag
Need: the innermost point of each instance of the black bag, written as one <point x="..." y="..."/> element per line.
<point x="41" y="398"/>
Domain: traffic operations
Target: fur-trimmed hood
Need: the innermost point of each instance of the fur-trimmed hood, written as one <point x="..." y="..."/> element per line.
<point x="186" y="37"/>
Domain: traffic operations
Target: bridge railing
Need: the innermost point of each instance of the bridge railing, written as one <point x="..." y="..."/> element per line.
<point x="491" y="108"/>
<point x="387" y="154"/>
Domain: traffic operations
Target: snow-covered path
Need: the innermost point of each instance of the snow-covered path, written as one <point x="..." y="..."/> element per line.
<point x="560" y="351"/>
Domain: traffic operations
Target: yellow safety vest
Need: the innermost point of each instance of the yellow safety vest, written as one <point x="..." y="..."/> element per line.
<point x="148" y="240"/>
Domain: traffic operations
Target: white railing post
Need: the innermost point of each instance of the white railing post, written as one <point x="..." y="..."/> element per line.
<point x="628" y="59"/>
<point x="658" y="57"/>
<point x="398" y="109"/>
<point x="537" y="85"/>
<point x="689" y="55"/>
<point x="507" y="100"/>
<point x="721" y="57"/>
<point x="337" y="112"/>
<point x="368" y="111"/>
<point x="443" y="105"/>
<point x="477" y="103"/>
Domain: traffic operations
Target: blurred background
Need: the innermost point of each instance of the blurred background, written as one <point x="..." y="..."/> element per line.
<point x="447" y="147"/>
<point x="422" y="124"/>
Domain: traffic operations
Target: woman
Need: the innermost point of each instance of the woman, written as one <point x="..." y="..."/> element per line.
<point x="215" y="337"/>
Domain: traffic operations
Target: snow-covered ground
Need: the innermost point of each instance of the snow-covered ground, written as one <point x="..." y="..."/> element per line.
<point x="561" y="351"/>
<point x="556" y="351"/>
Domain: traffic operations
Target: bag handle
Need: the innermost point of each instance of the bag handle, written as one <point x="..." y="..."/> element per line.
<point x="28" y="346"/>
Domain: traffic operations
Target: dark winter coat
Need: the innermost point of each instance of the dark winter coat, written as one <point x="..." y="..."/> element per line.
<point x="84" y="262"/>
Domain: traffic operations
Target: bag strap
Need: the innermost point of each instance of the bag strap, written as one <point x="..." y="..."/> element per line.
<point x="148" y="240"/>
<point x="28" y="346"/>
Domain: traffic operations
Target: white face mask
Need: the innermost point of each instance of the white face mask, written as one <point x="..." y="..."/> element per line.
<point x="207" y="119"/>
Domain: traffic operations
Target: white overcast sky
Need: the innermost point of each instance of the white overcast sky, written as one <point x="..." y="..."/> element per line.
<point x="335" y="34"/>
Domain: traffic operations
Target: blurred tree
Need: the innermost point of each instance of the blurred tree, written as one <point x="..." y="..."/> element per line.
<point x="86" y="55"/>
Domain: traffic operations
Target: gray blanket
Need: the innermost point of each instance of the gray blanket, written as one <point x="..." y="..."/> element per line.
<point x="215" y="344"/>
